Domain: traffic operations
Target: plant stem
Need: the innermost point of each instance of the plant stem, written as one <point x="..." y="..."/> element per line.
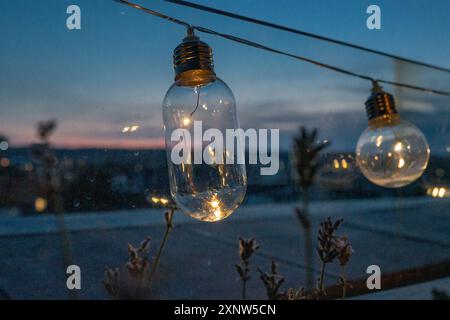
<point x="64" y="238"/>
<point x="308" y="242"/>
<point x="161" y="248"/>
<point x="321" y="279"/>
<point x="344" y="282"/>
<point x="244" y="280"/>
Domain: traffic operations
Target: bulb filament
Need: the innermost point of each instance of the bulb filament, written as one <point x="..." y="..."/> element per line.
<point x="197" y="89"/>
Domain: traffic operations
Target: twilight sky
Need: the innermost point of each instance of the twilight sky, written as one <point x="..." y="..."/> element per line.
<point x="115" y="71"/>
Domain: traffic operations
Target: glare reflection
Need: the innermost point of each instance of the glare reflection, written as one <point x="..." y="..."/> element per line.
<point x="398" y="147"/>
<point x="379" y="141"/>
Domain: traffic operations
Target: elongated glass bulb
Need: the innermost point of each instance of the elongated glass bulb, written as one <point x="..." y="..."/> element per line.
<point x="209" y="190"/>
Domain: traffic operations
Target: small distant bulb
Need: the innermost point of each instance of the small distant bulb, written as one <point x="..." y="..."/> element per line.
<point x="400" y="149"/>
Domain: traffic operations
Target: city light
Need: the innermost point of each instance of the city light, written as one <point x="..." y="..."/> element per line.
<point x="438" y="192"/>
<point x="40" y="204"/>
<point x="4" y="162"/>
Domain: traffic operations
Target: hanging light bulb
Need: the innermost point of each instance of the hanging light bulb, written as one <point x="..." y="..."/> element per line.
<point x="391" y="152"/>
<point x="206" y="191"/>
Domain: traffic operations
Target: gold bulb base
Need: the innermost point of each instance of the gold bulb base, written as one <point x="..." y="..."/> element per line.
<point x="380" y="105"/>
<point x="193" y="61"/>
<point x="385" y="120"/>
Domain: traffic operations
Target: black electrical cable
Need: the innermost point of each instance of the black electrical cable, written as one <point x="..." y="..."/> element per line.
<point x="273" y="50"/>
<point x="155" y="13"/>
<point x="303" y="33"/>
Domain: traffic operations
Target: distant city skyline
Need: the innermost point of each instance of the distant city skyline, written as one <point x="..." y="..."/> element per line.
<point x="115" y="72"/>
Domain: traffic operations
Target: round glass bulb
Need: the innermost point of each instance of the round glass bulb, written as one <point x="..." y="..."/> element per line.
<point x="207" y="191"/>
<point x="391" y="152"/>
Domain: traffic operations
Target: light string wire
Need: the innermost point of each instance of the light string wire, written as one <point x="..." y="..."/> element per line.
<point x="280" y="52"/>
<point x="301" y="32"/>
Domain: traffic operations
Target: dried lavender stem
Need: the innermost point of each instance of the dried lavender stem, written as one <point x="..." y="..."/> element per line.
<point x="321" y="279"/>
<point x="246" y="249"/>
<point x="161" y="248"/>
<point x="244" y="282"/>
<point x="64" y="239"/>
<point x="344" y="282"/>
<point x="308" y="242"/>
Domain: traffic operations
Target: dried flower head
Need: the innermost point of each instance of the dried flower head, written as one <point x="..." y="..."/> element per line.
<point x="246" y="248"/>
<point x="440" y="294"/>
<point x="168" y="216"/>
<point x="46" y="128"/>
<point x="138" y="261"/>
<point x="345" y="250"/>
<point x="327" y="248"/>
<point x="48" y="173"/>
<point x="111" y="283"/>
<point x="272" y="282"/>
<point x="293" y="294"/>
<point x="306" y="154"/>
<point x="132" y="285"/>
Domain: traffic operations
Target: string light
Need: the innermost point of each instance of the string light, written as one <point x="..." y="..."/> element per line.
<point x="303" y="33"/>
<point x="284" y="53"/>
<point x="390" y="152"/>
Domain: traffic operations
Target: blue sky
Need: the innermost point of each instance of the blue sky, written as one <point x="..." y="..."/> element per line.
<point x="115" y="71"/>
